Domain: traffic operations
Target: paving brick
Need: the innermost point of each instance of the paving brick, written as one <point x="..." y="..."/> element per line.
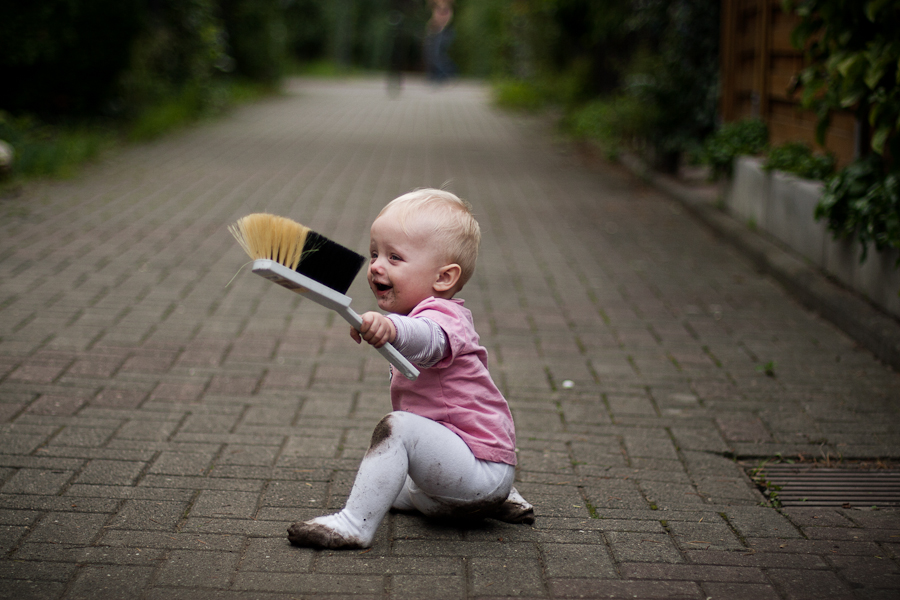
<point x="37" y="481"/>
<point x="56" y="405"/>
<point x="358" y="586"/>
<point x="43" y="571"/>
<point x="577" y="560"/>
<point x="505" y="577"/>
<point x="110" y="472"/>
<point x="32" y="590"/>
<point x="798" y="585"/>
<point x="275" y="554"/>
<point x="699" y="573"/>
<point x="184" y="568"/>
<point x="91" y="437"/>
<point x="181" y="463"/>
<point x="171" y="391"/>
<point x="868" y="571"/>
<point x="643" y="547"/>
<point x="225" y="504"/>
<point x="741" y="591"/>
<point x="119" y="398"/>
<point x="618" y="589"/>
<point x="68" y="528"/>
<point x="109" y="581"/>
<point x="761" y="522"/>
<point x="710" y="534"/>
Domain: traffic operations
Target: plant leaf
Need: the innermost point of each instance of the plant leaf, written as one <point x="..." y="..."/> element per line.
<point x="879" y="138"/>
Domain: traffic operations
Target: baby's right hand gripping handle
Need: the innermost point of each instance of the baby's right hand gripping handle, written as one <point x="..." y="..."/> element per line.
<point x="388" y="351"/>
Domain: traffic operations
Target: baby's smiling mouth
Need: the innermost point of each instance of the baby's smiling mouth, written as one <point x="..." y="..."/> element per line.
<point x="382" y="287"/>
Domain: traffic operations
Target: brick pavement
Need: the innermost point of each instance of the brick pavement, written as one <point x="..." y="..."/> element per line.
<point x="159" y="429"/>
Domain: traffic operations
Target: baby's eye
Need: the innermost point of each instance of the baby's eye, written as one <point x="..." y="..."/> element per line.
<point x="395" y="257"/>
<point x="373" y="255"/>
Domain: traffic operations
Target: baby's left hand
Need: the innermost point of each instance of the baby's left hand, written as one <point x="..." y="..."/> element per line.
<point x="376" y="329"/>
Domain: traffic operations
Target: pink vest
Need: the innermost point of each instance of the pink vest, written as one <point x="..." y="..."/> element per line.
<point x="458" y="392"/>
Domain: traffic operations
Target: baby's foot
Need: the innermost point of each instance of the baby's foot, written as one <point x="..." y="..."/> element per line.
<point x="515" y="510"/>
<point x="316" y="534"/>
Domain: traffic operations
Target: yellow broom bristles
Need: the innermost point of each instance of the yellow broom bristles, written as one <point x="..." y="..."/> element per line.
<point x="262" y="235"/>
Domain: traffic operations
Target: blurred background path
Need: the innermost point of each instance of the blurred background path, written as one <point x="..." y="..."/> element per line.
<point x="160" y="428"/>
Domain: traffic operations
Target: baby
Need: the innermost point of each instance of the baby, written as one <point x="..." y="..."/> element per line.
<point x="448" y="449"/>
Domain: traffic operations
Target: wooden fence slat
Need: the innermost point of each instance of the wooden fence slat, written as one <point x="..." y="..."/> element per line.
<point x="758" y="64"/>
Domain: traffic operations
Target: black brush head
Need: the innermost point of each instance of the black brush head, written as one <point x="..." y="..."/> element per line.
<point x="329" y="263"/>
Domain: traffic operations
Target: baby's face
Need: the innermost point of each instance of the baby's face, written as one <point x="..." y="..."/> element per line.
<point x="403" y="267"/>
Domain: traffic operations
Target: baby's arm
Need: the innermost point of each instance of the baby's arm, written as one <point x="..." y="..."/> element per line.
<point x="420" y="340"/>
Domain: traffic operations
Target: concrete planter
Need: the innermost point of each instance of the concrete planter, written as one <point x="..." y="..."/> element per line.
<point x="783" y="206"/>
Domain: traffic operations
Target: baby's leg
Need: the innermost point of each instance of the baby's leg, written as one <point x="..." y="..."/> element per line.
<point x="432" y="455"/>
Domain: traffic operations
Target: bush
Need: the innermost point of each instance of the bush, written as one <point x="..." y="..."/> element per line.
<point x="862" y="202"/>
<point x="517" y="94"/>
<point x="799" y="159"/>
<point x="748" y="136"/>
<point x="610" y="123"/>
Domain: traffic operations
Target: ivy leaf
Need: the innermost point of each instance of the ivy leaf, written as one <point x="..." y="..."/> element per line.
<point x="879" y="138"/>
<point x="851" y="98"/>
<point x="875" y="72"/>
<point x="873" y="7"/>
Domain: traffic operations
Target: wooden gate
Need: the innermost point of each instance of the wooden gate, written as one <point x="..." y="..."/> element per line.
<point x="759" y="64"/>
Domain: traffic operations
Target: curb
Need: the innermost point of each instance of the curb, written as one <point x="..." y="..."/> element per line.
<point x="851" y="313"/>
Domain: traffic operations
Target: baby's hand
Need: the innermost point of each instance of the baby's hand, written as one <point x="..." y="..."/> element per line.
<point x="376" y="329"/>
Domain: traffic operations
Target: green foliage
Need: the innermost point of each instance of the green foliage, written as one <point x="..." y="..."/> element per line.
<point x="517" y="94"/>
<point x="177" y="51"/>
<point x="748" y="136"/>
<point x="676" y="73"/>
<point x="257" y="37"/>
<point x="64" y="56"/>
<point x="862" y="202"/>
<point x="799" y="159"/>
<point x="853" y="53"/>
<point x="661" y="54"/>
<point x="611" y="123"/>
<point x="852" y="50"/>
<point x="490" y="39"/>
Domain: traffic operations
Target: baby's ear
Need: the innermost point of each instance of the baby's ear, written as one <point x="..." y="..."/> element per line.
<point x="447" y="278"/>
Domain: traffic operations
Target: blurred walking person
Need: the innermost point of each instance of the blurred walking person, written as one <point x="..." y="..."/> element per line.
<point x="438" y="37"/>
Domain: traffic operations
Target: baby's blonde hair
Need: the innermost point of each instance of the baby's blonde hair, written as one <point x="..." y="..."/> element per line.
<point x="452" y="225"/>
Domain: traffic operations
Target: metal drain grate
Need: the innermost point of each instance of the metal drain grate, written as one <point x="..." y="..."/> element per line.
<point x="808" y="485"/>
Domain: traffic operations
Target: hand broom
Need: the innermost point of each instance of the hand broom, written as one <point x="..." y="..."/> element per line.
<point x="303" y="261"/>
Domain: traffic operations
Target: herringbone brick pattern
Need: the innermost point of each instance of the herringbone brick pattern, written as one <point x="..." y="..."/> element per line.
<point x="160" y="427"/>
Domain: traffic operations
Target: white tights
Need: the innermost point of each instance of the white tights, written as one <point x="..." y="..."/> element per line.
<point x="416" y="463"/>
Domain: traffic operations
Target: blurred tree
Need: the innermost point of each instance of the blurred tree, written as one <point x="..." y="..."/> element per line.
<point x="179" y="45"/>
<point x="305" y="22"/>
<point x="257" y="37"/>
<point x="64" y="56"/>
<point x="88" y="57"/>
<point x="675" y="73"/>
